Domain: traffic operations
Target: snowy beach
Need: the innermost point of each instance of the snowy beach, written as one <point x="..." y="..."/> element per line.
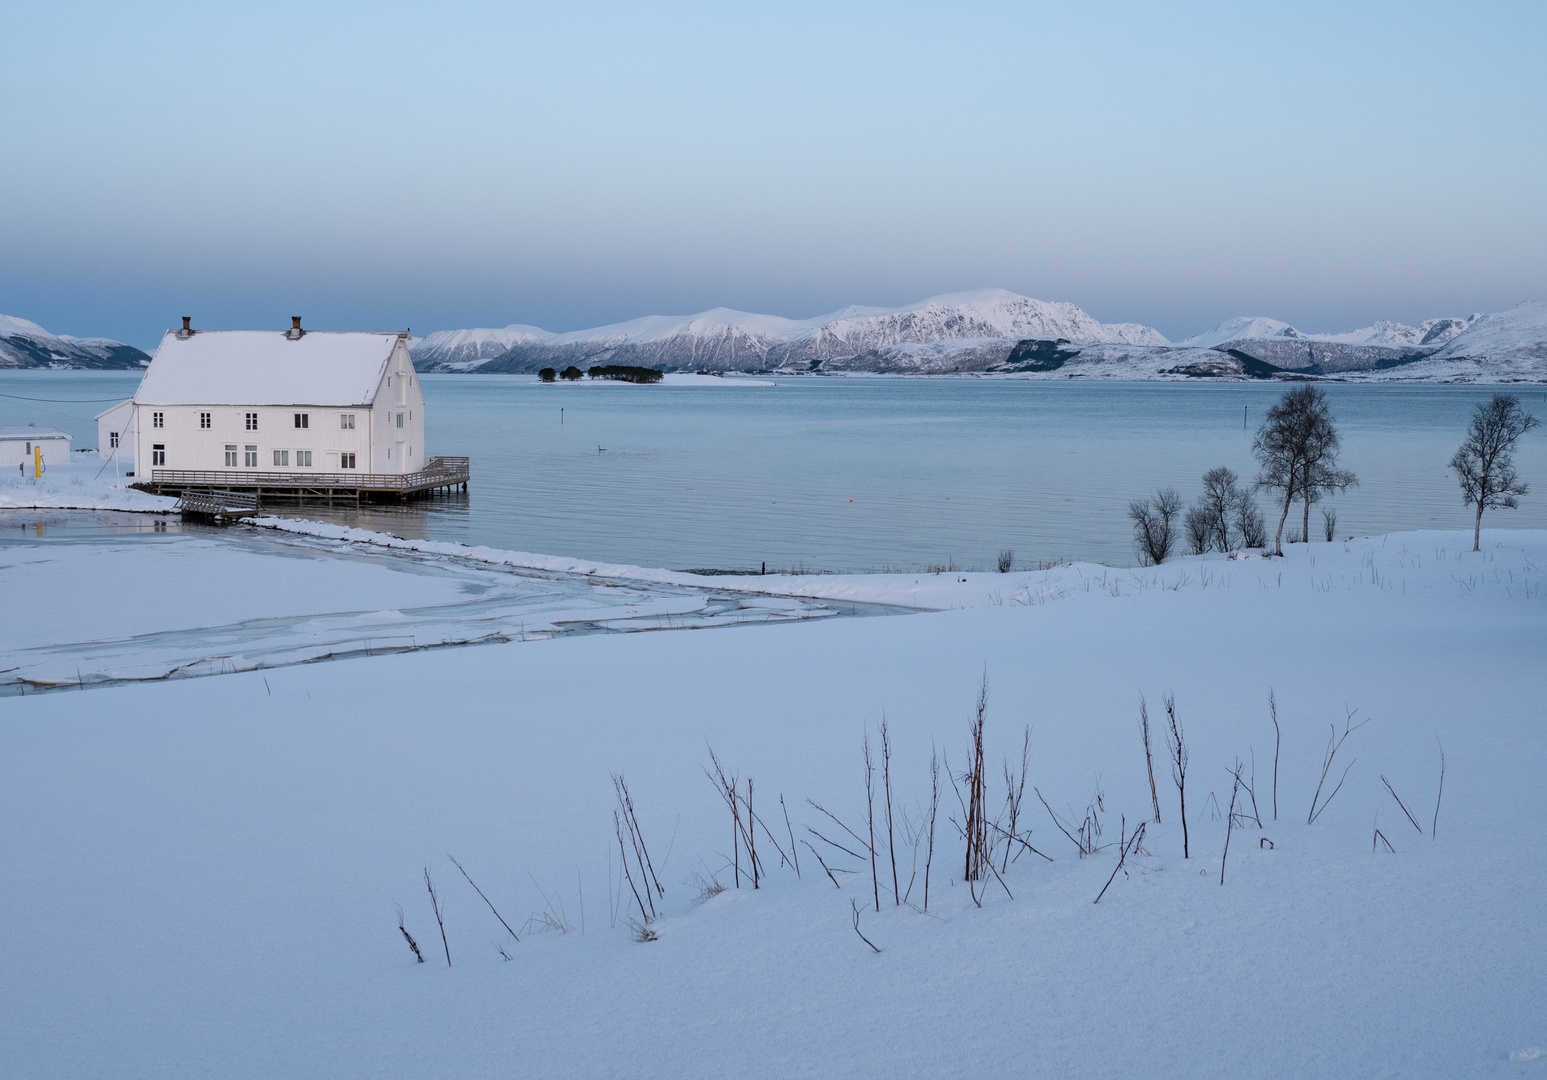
<point x="203" y="875"/>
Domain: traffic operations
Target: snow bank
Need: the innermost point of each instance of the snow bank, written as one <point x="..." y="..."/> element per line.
<point x="78" y="485"/>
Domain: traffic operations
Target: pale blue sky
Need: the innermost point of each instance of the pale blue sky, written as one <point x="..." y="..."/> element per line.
<point x="464" y="164"/>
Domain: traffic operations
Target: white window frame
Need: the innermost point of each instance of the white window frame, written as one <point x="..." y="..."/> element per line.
<point x="251" y="421"/>
<point x="249" y="456"/>
<point x="303" y="459"/>
<point x="346" y="421"/>
<point x="204" y="421"/>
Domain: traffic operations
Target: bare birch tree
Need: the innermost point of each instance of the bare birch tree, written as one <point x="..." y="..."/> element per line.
<point x="1485" y="464"/>
<point x="1297" y="448"/>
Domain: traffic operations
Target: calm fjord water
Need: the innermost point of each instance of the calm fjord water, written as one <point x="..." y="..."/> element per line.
<point x="870" y="473"/>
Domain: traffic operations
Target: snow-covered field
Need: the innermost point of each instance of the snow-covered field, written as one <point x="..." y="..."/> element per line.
<point x="202" y="877"/>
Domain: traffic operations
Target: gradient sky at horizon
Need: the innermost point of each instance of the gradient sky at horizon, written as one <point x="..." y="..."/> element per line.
<point x="478" y="164"/>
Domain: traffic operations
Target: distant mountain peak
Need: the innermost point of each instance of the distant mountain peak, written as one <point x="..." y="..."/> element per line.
<point x="25" y="344"/>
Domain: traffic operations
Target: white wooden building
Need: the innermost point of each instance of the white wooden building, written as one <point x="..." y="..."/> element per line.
<point x="299" y="403"/>
<point x="115" y="434"/>
<point x="18" y="446"/>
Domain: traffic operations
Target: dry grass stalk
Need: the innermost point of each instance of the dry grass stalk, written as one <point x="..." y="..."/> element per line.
<point x="624" y="820"/>
<point x="435" y="903"/>
<point x="934" y="804"/>
<point x="1132" y="844"/>
<point x="1149" y="759"/>
<point x="1435" y="826"/>
<point x="870" y="821"/>
<point x="823" y="865"/>
<point x="886" y="775"/>
<point x="1273" y="713"/>
<point x="482" y="897"/>
<point x="1176" y="743"/>
<point x="1015" y="790"/>
<point x="976" y="829"/>
<point x="1334" y="744"/>
<point x="412" y="944"/>
<point x="862" y="937"/>
<point x="1400" y="803"/>
<point x="1235" y="790"/>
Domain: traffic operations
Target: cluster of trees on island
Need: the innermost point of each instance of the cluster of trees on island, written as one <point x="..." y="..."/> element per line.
<point x="1297" y="449"/>
<point x="618" y="372"/>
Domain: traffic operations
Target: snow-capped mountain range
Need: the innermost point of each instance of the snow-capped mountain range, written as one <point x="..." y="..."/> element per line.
<point x="990" y="331"/>
<point x="994" y="331"/>
<point x="742" y="341"/>
<point x="25" y="344"/>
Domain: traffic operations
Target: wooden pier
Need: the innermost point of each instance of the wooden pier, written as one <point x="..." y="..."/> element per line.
<point x="439" y="474"/>
<point x="219" y="506"/>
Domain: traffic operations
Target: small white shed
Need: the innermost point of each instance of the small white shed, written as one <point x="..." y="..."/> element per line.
<point x="18" y="443"/>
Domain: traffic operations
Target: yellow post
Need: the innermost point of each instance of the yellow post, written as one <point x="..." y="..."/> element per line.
<point x="37" y="462"/>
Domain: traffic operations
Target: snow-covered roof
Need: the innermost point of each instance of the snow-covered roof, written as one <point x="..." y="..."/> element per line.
<point x="125" y="403"/>
<point x="266" y="367"/>
<point x="33" y="434"/>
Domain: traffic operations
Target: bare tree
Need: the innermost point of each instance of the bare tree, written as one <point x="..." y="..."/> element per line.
<point x="1224" y="516"/>
<point x="1217" y="505"/>
<point x="1153" y="520"/>
<point x="1297" y="448"/>
<point x="1485" y="464"/>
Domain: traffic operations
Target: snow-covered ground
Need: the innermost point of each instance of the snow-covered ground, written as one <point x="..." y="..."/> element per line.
<point x="85" y="483"/>
<point x="203" y="876"/>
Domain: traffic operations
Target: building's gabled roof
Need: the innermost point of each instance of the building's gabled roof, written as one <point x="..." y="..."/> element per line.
<point x="34" y="434"/>
<point x="266" y="367"/>
<point x="114" y="408"/>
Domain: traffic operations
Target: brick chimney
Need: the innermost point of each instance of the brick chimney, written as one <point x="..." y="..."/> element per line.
<point x="187" y="330"/>
<point x="295" y="332"/>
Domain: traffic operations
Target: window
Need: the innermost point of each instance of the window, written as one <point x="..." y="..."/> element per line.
<point x="250" y="456"/>
<point x="303" y="458"/>
<point x="158" y="454"/>
<point x="303" y="420"/>
<point x="399" y="419"/>
<point x="156" y="419"/>
<point x="282" y="457"/>
<point x="204" y="420"/>
<point x="346" y="461"/>
<point x="112" y="439"/>
<point x="252" y="421"/>
<point x="346" y="421"/>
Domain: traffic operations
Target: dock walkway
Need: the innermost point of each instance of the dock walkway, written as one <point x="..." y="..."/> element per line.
<point x="440" y="473"/>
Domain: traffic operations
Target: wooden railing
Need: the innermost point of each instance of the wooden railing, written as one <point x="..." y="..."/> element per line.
<point x="438" y="471"/>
